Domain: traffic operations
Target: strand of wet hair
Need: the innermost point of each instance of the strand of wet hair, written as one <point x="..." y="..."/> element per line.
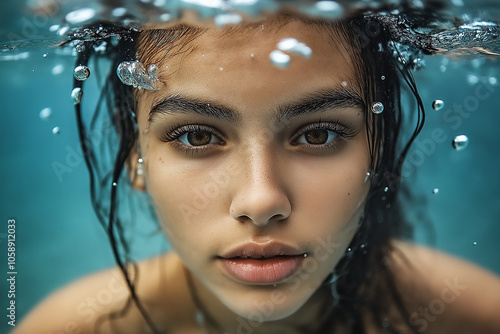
<point x="90" y="161"/>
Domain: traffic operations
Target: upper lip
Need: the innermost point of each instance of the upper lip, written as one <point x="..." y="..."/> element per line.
<point x="259" y="251"/>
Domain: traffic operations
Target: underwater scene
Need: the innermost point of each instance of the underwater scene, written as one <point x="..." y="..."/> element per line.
<point x="50" y="234"/>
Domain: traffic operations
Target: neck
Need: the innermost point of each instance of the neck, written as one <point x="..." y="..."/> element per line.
<point x="313" y="317"/>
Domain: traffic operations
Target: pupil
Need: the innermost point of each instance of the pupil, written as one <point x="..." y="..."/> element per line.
<point x="317" y="137"/>
<point x="199" y="138"/>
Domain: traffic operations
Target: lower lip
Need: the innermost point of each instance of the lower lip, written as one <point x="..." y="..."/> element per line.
<point x="266" y="271"/>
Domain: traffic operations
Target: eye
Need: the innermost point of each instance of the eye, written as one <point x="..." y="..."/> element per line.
<point x="199" y="138"/>
<point x="193" y="136"/>
<point x="317" y="137"/>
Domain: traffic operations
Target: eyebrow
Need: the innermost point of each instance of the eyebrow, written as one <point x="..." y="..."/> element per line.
<point x="318" y="101"/>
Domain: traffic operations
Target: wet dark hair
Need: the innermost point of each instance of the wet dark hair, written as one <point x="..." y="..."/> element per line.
<point x="363" y="267"/>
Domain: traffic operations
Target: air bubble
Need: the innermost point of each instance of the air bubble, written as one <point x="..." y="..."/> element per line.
<point x="227" y="18"/>
<point x="76" y="95"/>
<point x="386" y="189"/>
<point x="279" y="58"/>
<point x="382" y="77"/>
<point x="45" y="113"/>
<point x="474" y="243"/>
<point x="460" y="142"/>
<point x="58" y="69"/>
<point x="80" y="15"/>
<point x="377" y="107"/>
<point x="437" y="105"/>
<point x="493" y="81"/>
<point x="472" y="79"/>
<point x="153" y="72"/>
<point x="435" y="191"/>
<point x="293" y="45"/>
<point x="81" y="73"/>
<point x="45" y="55"/>
<point x="119" y="12"/>
<point x="56" y="130"/>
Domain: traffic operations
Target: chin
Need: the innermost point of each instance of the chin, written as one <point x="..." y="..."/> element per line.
<point x="275" y="304"/>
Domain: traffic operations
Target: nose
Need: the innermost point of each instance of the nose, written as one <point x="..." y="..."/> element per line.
<point x="260" y="197"/>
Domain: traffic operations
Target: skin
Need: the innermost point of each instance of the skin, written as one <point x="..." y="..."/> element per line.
<point x="265" y="185"/>
<point x="257" y="183"/>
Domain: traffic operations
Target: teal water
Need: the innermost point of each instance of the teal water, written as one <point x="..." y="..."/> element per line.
<point x="58" y="238"/>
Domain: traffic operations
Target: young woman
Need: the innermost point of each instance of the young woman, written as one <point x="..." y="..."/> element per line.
<point x="275" y="182"/>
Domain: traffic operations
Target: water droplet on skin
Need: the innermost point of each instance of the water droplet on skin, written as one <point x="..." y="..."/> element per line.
<point x="435" y="191"/>
<point x="81" y="73"/>
<point x="221" y="69"/>
<point x="377" y="107"/>
<point x="56" y="130"/>
<point x="45" y="113"/>
<point x="305" y="254"/>
<point x="437" y="105"/>
<point x="76" y="95"/>
<point x="251" y="55"/>
<point x="140" y="161"/>
<point x="279" y="58"/>
<point x="460" y="142"/>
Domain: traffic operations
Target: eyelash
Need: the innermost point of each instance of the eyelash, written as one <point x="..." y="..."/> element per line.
<point x="343" y="133"/>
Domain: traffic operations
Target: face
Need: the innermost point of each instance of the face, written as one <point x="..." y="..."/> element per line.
<point x="257" y="172"/>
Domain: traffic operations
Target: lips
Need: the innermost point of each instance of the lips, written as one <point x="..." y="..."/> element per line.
<point x="270" y="263"/>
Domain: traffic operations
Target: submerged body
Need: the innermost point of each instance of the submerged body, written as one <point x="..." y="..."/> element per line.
<point x="443" y="294"/>
<point x="258" y="176"/>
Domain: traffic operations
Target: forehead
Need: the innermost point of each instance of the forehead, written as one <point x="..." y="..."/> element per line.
<point x="236" y="61"/>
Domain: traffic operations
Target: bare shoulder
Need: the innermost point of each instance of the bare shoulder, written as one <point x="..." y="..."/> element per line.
<point x="102" y="301"/>
<point x="444" y="293"/>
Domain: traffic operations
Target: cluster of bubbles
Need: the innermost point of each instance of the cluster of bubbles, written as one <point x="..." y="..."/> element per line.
<point x="281" y="59"/>
<point x="133" y="73"/>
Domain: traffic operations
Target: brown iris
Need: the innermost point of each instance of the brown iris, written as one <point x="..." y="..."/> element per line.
<point x="316" y="137"/>
<point x="199" y="138"/>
